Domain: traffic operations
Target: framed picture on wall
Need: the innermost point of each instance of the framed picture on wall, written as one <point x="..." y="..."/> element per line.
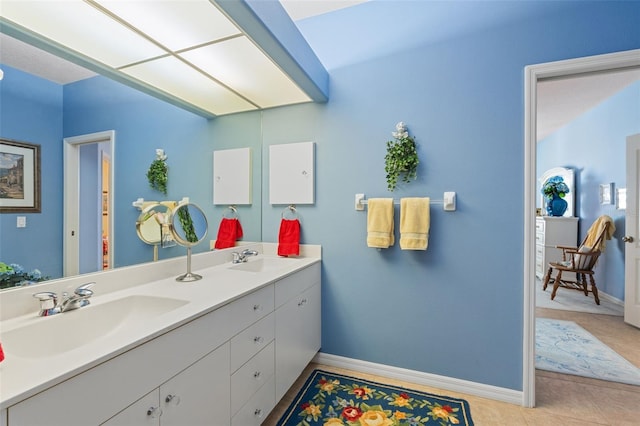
<point x="19" y="177"/>
<point x="606" y="193"/>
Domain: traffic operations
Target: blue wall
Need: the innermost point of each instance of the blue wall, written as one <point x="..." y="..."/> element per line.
<point x="594" y="146"/>
<point x="456" y="309"/>
<point x="31" y="111"/>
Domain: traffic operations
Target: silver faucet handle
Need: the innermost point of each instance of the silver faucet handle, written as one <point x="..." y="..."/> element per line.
<point x="48" y="299"/>
<point x="236" y="257"/>
<point x="83" y="290"/>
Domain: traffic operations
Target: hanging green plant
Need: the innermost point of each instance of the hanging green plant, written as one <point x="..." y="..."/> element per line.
<point x="158" y="172"/>
<point x="402" y="157"/>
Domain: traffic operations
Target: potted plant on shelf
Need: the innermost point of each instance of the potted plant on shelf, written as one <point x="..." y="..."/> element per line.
<point x="402" y="157"/>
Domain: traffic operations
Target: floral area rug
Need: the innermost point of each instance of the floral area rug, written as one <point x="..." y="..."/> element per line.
<point x="565" y="347"/>
<point x="333" y="399"/>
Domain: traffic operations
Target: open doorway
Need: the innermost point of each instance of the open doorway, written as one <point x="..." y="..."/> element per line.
<point x="88" y="203"/>
<point x="534" y="74"/>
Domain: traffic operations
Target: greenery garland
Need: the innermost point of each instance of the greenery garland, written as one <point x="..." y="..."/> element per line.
<point x="157" y="175"/>
<point x="402" y="157"/>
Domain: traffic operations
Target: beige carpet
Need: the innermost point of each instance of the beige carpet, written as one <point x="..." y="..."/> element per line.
<point x="572" y="300"/>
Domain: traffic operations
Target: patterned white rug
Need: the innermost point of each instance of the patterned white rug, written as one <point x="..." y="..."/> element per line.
<point x="571" y="300"/>
<point x="565" y="347"/>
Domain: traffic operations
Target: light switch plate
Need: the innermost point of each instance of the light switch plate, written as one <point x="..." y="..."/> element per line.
<point x="21" y="221"/>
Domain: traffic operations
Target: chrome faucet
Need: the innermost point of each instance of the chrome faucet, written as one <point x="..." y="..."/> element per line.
<point x="242" y="257"/>
<point x="49" y="300"/>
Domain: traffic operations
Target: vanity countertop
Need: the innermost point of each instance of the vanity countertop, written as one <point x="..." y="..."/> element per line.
<point x="22" y="377"/>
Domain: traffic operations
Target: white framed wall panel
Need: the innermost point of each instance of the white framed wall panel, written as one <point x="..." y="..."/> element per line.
<point x="232" y="176"/>
<point x="291" y="173"/>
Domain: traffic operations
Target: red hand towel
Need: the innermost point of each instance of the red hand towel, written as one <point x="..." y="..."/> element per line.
<point x="289" y="238"/>
<point x="1" y="353"/>
<point x="228" y="232"/>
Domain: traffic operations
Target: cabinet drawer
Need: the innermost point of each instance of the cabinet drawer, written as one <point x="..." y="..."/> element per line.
<point x="256" y="410"/>
<point x="540" y="238"/>
<point x="250" y="308"/>
<point x="251" y="341"/>
<point x="251" y="377"/>
<point x="295" y="284"/>
<point x="539" y="225"/>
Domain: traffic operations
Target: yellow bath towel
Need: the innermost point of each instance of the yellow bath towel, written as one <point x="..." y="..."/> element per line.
<point x="596" y="229"/>
<point x="414" y="223"/>
<point x="380" y="222"/>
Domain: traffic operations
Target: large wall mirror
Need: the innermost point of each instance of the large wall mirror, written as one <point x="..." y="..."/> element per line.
<point x="39" y="111"/>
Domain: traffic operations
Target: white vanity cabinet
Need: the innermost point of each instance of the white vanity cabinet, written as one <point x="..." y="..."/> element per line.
<point x="227" y="367"/>
<point x="298" y="325"/>
<point x="99" y="393"/>
<point x="552" y="231"/>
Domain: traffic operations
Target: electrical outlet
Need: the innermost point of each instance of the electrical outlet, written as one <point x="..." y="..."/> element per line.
<point x="21" y="222"/>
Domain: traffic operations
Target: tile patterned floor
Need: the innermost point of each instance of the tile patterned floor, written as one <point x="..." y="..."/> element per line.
<point x="560" y="399"/>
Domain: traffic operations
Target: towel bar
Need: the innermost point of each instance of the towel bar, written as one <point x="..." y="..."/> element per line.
<point x="448" y="201"/>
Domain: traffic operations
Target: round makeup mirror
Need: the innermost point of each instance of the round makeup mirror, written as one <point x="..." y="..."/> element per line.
<point x="153" y="228"/>
<point x="189" y="227"/>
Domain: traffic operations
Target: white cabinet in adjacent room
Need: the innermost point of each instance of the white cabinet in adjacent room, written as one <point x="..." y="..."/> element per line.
<point x="552" y="231"/>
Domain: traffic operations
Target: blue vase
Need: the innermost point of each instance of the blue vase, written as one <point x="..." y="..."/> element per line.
<point x="556" y="206"/>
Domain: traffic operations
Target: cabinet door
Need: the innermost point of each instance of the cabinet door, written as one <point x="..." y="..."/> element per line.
<point x="298" y="332"/>
<point x="144" y="412"/>
<point x="199" y="395"/>
<point x="312" y="333"/>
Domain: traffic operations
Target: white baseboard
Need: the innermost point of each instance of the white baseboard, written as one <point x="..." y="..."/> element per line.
<point x="426" y="379"/>
<point x="610" y="298"/>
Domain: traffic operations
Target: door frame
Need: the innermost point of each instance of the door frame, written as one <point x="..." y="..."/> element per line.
<point x="71" y="197"/>
<point x="631" y="271"/>
<point x="534" y="73"/>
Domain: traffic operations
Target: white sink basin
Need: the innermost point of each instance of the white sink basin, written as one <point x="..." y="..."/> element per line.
<point x="49" y="336"/>
<point x="263" y="264"/>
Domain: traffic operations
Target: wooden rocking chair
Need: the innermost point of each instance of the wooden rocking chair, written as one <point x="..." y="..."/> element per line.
<point x="581" y="261"/>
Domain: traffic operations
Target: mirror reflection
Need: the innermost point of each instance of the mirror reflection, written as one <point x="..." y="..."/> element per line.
<point x="153" y="226"/>
<point x="188" y="225"/>
<point x="189" y="228"/>
<point x="45" y="112"/>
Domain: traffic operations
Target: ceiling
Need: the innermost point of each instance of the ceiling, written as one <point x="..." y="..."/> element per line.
<point x="216" y="57"/>
<point x="559" y="100"/>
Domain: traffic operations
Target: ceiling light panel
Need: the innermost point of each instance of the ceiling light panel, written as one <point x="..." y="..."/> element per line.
<point x="178" y="79"/>
<point x="238" y="63"/>
<point x="81" y="28"/>
<point x="174" y="24"/>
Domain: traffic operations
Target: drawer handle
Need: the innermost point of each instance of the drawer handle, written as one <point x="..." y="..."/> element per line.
<point x="258" y="412"/>
<point x="302" y="302"/>
<point x="257" y="340"/>
<point x="154" y="412"/>
<point x="175" y="399"/>
<point x="257" y="307"/>
<point x="256" y="375"/>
